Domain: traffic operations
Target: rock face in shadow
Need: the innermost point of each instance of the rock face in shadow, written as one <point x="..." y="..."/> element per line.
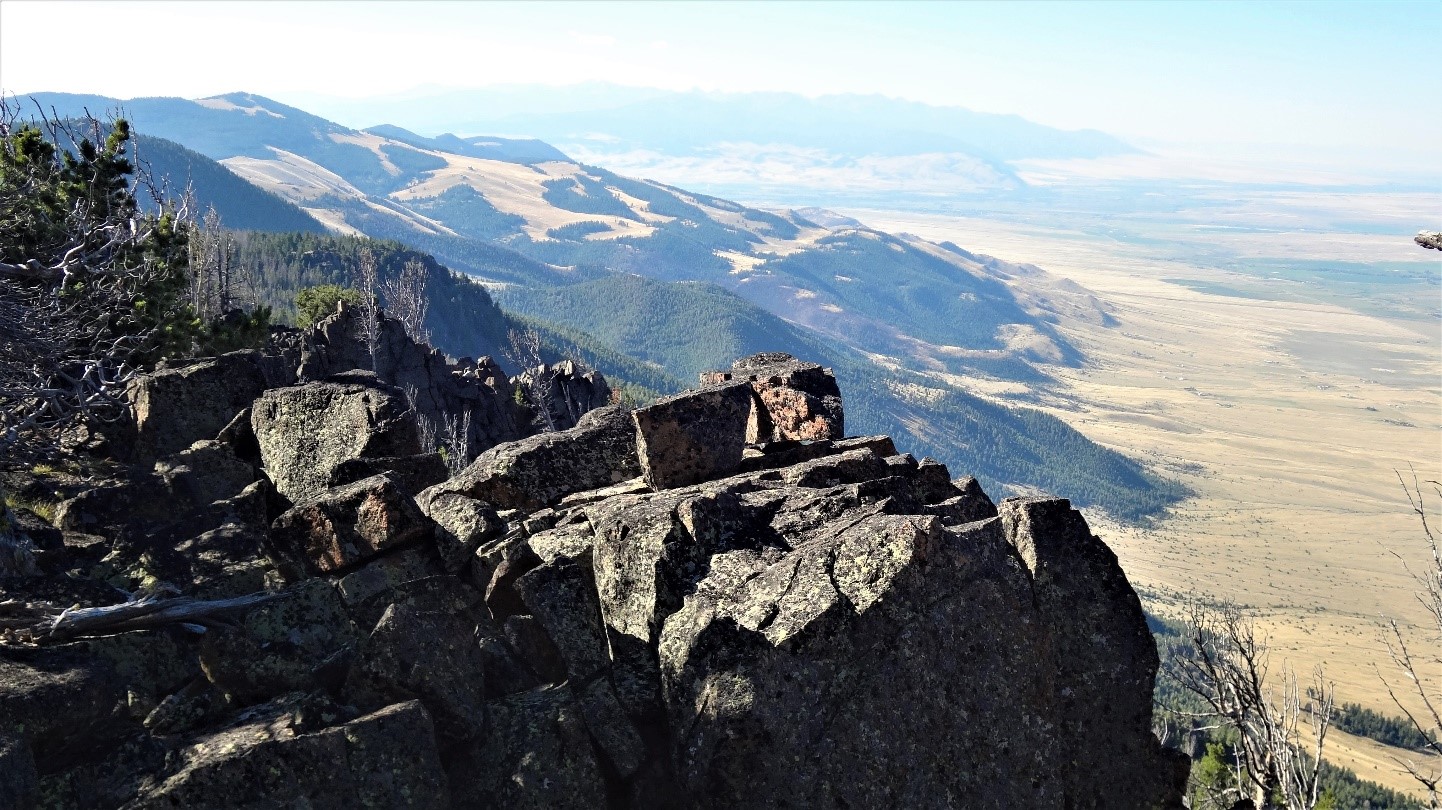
<point x="174" y="408"/>
<point x="714" y="601"/>
<point x="474" y="397"/>
<point x="270" y="758"/>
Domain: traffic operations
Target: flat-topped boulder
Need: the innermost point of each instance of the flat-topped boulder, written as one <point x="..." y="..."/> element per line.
<point x="695" y="436"/>
<point x="798" y="400"/>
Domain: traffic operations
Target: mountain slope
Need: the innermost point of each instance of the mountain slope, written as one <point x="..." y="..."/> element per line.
<point x="516" y="150"/>
<point x="924" y="308"/>
<point x="241" y="204"/>
<point x="463" y="319"/>
<point x="681" y="281"/>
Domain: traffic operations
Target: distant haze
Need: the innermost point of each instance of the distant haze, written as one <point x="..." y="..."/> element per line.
<point x="1346" y="80"/>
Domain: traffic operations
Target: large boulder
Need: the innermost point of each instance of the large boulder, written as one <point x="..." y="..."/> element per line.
<point x="695" y="436"/>
<point x="173" y="408"/>
<point x="463" y="524"/>
<point x="345" y="526"/>
<point x="892" y="640"/>
<point x="799" y="401"/>
<point x="541" y="470"/>
<point x="306" y="431"/>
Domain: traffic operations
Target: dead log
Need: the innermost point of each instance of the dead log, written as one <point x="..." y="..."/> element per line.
<point x="43" y="624"/>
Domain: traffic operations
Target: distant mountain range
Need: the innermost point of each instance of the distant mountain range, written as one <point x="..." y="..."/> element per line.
<point x="678" y="280"/>
<point x="765" y="142"/>
<point x="676" y="122"/>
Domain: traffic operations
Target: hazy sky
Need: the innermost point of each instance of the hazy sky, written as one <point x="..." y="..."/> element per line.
<point x="1314" y="74"/>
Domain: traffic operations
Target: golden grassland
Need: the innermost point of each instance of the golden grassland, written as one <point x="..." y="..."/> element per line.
<point x="1288" y="420"/>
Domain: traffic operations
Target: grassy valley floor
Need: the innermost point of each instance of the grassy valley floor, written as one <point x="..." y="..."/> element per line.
<point x="1287" y="417"/>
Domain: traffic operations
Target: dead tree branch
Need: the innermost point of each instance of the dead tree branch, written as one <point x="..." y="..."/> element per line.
<point x="45" y="624"/>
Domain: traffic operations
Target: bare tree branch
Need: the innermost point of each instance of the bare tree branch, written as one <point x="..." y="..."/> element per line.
<point x="1226" y="665"/>
<point x="1425" y="714"/>
<point x="44" y="624"/>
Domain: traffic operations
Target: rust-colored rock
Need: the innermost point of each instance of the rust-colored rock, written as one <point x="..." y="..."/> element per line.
<point x="348" y="525"/>
<point x="798" y="401"/>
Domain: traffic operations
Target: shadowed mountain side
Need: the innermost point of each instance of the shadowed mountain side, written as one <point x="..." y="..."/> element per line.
<point x="463" y="319"/>
<point x="240" y="204"/>
<point x="685" y="326"/>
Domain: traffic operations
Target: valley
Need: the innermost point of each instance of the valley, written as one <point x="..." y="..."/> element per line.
<point x="699" y="405"/>
<point x="1289" y="419"/>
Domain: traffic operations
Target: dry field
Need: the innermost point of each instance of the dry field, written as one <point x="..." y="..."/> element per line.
<point x="1287" y="419"/>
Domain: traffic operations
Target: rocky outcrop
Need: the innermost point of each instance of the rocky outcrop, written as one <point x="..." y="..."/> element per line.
<point x="174" y="408"/>
<point x="798" y="400"/>
<point x="1429" y="239"/>
<point x="567" y="390"/>
<point x="473" y="398"/>
<point x="764" y="399"/>
<point x="713" y="601"/>
<point x="306" y="431"/>
<point x="537" y="472"/>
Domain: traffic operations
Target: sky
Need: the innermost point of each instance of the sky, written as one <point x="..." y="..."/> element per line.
<point x="1310" y="75"/>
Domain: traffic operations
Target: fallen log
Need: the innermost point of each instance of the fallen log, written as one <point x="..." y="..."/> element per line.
<point x="43" y="624"/>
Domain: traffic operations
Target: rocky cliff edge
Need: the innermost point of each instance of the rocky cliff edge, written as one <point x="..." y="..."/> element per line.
<point x="716" y="600"/>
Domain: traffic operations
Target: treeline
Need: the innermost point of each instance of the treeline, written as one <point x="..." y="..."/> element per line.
<point x="463" y="319"/>
<point x="1396" y="731"/>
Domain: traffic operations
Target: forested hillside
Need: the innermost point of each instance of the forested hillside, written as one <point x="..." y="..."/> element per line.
<point x="463" y="320"/>
<point x="689" y="327"/>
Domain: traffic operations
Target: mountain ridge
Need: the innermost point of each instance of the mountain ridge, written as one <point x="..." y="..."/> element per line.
<point x="866" y="295"/>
